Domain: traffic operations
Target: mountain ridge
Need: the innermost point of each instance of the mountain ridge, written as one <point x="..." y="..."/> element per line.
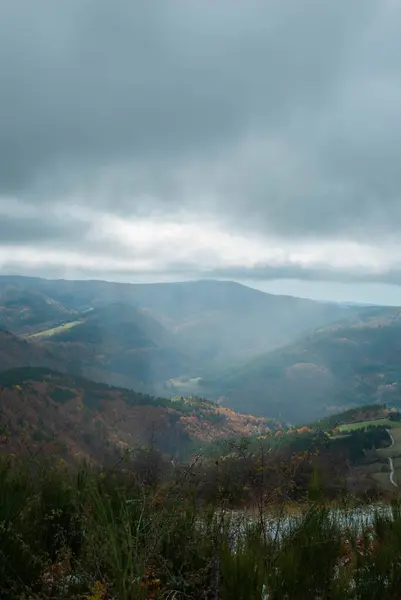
<point x="212" y="320"/>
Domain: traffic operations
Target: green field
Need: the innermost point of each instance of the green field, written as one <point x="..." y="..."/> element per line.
<point x="382" y="478"/>
<point x="379" y="470"/>
<point x="54" y="330"/>
<point x="363" y="424"/>
<point x="395" y="453"/>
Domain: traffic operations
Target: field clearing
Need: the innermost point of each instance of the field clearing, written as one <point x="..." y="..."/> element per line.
<point x="378" y="466"/>
<point x="383" y="480"/>
<point x="397" y="463"/>
<point x="363" y="424"/>
<point x="395" y="454"/>
<point x="53" y="330"/>
<point x="396" y="433"/>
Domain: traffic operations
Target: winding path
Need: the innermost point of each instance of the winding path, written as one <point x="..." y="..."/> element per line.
<point x="391" y="438"/>
<point x="390" y="460"/>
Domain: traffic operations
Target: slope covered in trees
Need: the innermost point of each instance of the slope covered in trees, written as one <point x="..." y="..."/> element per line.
<point x="84" y="419"/>
<point x="337" y="367"/>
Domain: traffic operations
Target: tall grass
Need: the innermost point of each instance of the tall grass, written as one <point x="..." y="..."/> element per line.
<point x="68" y="534"/>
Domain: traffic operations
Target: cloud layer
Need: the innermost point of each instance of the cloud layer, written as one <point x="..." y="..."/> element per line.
<point x="246" y="139"/>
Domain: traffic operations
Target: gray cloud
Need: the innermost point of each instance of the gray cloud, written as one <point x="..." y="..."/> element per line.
<point x="40" y="231"/>
<point x="297" y="272"/>
<point x="182" y="271"/>
<point x="280" y="118"/>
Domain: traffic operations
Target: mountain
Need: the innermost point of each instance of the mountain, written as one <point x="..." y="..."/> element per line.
<point x="167" y="337"/>
<point x="212" y="322"/>
<point x="26" y="310"/>
<point x="43" y="410"/>
<point x="15" y="352"/>
<point x="121" y="345"/>
<point x="344" y="365"/>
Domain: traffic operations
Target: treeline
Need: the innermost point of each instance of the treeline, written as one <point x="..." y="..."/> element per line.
<point x="358" y="441"/>
<point x="245" y="470"/>
<point x="95" y="393"/>
<point x="333" y="421"/>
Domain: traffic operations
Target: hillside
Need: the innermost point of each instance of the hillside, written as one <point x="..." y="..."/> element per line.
<point x="26" y="310"/>
<point x="211" y="321"/>
<point x="121" y="345"/>
<point x="165" y="338"/>
<point x="15" y="352"/>
<point x="83" y="419"/>
<point x="335" y="368"/>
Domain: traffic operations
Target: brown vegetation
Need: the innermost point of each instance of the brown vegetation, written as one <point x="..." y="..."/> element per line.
<point x="88" y="420"/>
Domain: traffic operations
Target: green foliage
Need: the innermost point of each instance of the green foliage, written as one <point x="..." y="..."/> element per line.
<point x="347" y="427"/>
<point x="20" y="375"/>
<point x="347" y="416"/>
<point x="360" y="440"/>
<point x="61" y="395"/>
<point x="65" y="534"/>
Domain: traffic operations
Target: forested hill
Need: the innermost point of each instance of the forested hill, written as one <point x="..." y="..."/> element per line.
<point x="81" y="419"/>
<point x="328" y="371"/>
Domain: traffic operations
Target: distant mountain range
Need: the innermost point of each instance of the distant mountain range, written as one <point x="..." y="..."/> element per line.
<point x="211" y="321"/>
<point x="276" y="356"/>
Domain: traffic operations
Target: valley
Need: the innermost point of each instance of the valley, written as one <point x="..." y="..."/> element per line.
<point x="203" y="316"/>
<point x="274" y="356"/>
<point x="95" y="375"/>
<point x="141" y="425"/>
<point x="350" y="363"/>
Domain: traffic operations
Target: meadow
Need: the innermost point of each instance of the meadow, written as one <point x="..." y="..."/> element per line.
<point x="382" y="422"/>
<point x="53" y="330"/>
<point x="394" y="452"/>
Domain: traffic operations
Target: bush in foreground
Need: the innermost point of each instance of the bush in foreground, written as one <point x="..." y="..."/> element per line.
<point x="69" y="534"/>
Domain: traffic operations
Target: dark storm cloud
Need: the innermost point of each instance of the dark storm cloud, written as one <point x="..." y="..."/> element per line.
<point x="168" y="92"/>
<point x="39" y="231"/>
<point x="277" y="117"/>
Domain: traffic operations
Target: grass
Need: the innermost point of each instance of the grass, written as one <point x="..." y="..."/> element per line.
<point x="397" y="469"/>
<point x="364" y="424"/>
<point x="83" y="534"/>
<point x="54" y="330"/>
<point x="395" y="453"/>
<point x="382" y="478"/>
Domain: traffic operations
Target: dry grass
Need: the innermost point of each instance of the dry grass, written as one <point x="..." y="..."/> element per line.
<point x="53" y="330"/>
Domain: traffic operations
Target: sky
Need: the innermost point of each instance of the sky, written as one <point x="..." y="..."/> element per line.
<point x="257" y="141"/>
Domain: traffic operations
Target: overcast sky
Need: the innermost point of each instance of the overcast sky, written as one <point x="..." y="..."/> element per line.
<point x="255" y="140"/>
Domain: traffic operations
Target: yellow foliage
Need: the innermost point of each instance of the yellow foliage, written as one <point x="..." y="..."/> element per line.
<point x="97" y="591"/>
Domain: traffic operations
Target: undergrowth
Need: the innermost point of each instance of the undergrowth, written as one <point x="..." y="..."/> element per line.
<point x="86" y="534"/>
